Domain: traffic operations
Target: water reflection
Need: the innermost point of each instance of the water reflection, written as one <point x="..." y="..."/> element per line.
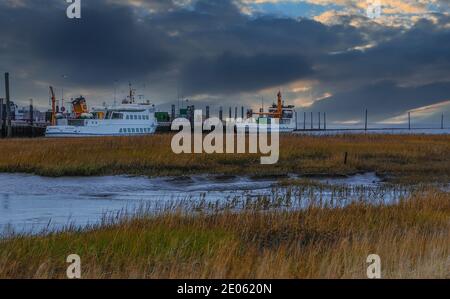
<point x="5" y="201"/>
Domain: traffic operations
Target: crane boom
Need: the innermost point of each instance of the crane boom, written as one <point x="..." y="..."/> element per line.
<point x="52" y="93"/>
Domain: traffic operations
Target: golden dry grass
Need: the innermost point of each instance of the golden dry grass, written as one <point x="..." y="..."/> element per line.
<point x="408" y="158"/>
<point x="412" y="238"/>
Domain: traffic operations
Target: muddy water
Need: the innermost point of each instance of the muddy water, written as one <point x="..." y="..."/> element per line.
<point x="30" y="204"/>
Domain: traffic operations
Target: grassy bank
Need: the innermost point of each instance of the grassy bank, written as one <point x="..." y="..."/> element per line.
<point x="408" y="158"/>
<point x="412" y="238"/>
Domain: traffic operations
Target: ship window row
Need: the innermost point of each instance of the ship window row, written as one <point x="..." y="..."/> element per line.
<point x="116" y="115"/>
<point x="138" y="117"/>
<point x="134" y="130"/>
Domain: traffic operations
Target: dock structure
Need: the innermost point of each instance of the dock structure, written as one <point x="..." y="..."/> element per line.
<point x="322" y="121"/>
<point x="17" y="128"/>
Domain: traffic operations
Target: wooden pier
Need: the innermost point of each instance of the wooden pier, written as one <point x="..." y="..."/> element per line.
<point x="23" y="131"/>
<point x="10" y="128"/>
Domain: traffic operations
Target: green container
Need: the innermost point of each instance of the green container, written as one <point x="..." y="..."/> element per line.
<point x="264" y="121"/>
<point x="162" y="116"/>
<point x="183" y="112"/>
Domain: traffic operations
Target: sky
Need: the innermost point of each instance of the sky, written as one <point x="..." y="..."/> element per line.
<point x="325" y="56"/>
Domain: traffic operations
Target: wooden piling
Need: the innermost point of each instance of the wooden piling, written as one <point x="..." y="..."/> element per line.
<point x="365" y="122"/>
<point x="31" y="119"/>
<point x="31" y="116"/>
<point x="409" y="120"/>
<point x="8" y="108"/>
<point x="319" y="121"/>
<point x="2" y="119"/>
<point x="304" y="121"/>
<point x="173" y="112"/>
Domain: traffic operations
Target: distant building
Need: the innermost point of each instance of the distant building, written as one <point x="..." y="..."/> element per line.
<point x="23" y="114"/>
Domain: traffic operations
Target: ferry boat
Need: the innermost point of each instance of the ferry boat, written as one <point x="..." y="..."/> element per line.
<point x="284" y="114"/>
<point x="127" y="119"/>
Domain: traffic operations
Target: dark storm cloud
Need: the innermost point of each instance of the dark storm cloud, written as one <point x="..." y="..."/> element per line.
<point x="112" y="42"/>
<point x="409" y="71"/>
<point x="422" y="50"/>
<point x="104" y="44"/>
<point x="229" y="72"/>
<point x="227" y="52"/>
<point x="212" y="48"/>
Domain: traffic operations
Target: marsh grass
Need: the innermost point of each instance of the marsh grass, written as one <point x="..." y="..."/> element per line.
<point x="177" y="240"/>
<point x="402" y="158"/>
<point x="291" y="233"/>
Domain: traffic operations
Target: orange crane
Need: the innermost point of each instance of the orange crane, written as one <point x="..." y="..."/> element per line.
<point x="279" y="112"/>
<point x="52" y="93"/>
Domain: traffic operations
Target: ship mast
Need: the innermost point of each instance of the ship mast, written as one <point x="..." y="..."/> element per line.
<point x="131" y="94"/>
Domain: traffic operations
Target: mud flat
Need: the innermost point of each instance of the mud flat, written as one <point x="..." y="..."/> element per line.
<point x="52" y="203"/>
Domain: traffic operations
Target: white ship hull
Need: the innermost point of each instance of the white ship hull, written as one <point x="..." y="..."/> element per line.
<point x="283" y="125"/>
<point x="127" y="120"/>
<point x="70" y="131"/>
<point x="254" y="128"/>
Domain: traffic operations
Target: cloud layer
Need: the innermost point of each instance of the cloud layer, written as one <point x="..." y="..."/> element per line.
<point x="222" y="53"/>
